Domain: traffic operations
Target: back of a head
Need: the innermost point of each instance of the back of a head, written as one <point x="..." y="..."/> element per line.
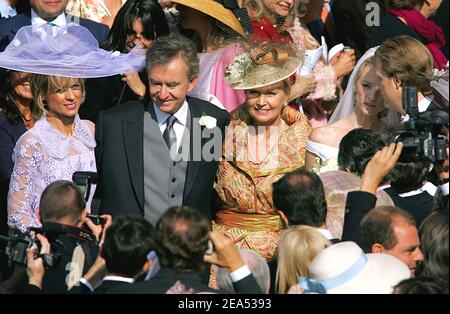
<point x="127" y="242"/>
<point x="434" y="242"/>
<point x="258" y="266"/>
<point x="422" y="285"/>
<point x="357" y="148"/>
<point x="182" y="235"/>
<point x="298" y="247"/>
<point x="166" y="48"/>
<point x="300" y="196"/>
<point x="377" y="227"/>
<point x="343" y="268"/>
<point x="408" y="60"/>
<point x="62" y="201"/>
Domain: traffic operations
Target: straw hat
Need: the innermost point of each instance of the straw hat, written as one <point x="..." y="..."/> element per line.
<point x="343" y="268"/>
<point x="215" y="10"/>
<point x="262" y="65"/>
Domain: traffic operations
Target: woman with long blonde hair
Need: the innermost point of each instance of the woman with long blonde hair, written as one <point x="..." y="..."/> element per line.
<point x="298" y="247"/>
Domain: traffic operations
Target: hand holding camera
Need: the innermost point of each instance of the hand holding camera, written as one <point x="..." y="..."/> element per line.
<point x="36" y="261"/>
<point x="225" y="253"/>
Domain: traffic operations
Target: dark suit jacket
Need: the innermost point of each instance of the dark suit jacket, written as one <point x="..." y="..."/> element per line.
<point x="10" y="26"/>
<point x="119" y="154"/>
<point x="110" y="284"/>
<point x="419" y="206"/>
<point x="166" y="278"/>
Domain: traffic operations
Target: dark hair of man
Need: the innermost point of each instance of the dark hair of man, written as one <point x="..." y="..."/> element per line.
<point x="421" y="285"/>
<point x="301" y="197"/>
<point x="153" y="21"/>
<point x="377" y="226"/>
<point x="434" y="242"/>
<point x="182" y="235"/>
<point x="357" y="148"/>
<point x="61" y="199"/>
<point x="165" y="49"/>
<point x="127" y="242"/>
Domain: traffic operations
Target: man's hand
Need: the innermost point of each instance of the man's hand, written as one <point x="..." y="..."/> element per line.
<point x="35" y="267"/>
<point x="99" y="230"/>
<point x="379" y="166"/>
<point x="225" y="254"/>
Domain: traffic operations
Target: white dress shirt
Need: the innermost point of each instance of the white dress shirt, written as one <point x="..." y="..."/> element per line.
<point x="60" y="20"/>
<point x="6" y="10"/>
<point x="180" y="123"/>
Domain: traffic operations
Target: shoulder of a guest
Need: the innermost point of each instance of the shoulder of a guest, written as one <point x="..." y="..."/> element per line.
<point x="207" y="107"/>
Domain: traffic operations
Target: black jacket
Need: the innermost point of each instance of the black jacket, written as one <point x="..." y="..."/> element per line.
<point x="167" y="278"/>
<point x="63" y="240"/>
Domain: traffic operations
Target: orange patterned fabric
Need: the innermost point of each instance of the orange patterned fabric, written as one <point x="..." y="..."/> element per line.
<point x="245" y="186"/>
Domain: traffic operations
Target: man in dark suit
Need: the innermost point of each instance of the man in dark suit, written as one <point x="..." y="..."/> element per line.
<point x="162" y="152"/>
<point x="43" y="12"/>
<point x="184" y="246"/>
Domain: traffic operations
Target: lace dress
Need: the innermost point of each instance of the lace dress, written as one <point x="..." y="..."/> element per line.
<point x="42" y="155"/>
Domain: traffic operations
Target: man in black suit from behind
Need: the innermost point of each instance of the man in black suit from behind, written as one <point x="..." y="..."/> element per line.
<point x="163" y="152"/>
<point x="42" y="12"/>
<point x="181" y="237"/>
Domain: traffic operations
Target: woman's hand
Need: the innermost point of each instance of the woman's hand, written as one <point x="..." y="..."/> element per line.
<point x="303" y="85"/>
<point x="134" y="82"/>
<point x="343" y="62"/>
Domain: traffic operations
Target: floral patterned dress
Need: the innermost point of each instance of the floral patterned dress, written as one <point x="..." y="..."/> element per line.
<point x="246" y="212"/>
<point x="42" y="155"/>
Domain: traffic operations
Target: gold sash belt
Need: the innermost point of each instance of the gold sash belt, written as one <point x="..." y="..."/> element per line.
<point x="250" y="222"/>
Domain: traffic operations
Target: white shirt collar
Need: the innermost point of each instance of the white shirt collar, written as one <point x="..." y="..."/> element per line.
<point x="6" y="10"/>
<point x="119" y="278"/>
<point x="181" y="114"/>
<point x="326" y="233"/>
<point x="60" y="20"/>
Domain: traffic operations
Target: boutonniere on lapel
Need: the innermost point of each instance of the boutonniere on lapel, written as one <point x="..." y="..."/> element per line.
<point x="207" y="121"/>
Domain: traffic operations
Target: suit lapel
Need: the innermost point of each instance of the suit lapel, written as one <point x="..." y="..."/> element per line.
<point x="133" y="142"/>
<point x="192" y="166"/>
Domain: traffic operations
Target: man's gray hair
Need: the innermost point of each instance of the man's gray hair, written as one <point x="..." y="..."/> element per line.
<point x="166" y="48"/>
<point x="258" y="266"/>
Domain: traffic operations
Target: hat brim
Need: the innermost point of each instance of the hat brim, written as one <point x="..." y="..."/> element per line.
<point x="217" y="11"/>
<point x="264" y="75"/>
<point x="381" y="274"/>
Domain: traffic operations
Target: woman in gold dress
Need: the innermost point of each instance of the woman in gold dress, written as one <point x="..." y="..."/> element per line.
<point x="266" y="139"/>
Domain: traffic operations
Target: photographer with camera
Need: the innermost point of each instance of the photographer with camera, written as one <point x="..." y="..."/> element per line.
<point x="404" y="67"/>
<point x="73" y="236"/>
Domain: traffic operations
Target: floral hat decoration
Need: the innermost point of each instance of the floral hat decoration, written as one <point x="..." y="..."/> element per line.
<point x="261" y="65"/>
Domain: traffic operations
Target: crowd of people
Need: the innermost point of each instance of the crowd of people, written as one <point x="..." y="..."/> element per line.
<point x="226" y="148"/>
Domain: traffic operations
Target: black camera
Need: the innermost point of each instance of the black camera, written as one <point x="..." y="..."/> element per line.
<point x="84" y="180"/>
<point x="97" y="219"/>
<point x="421" y="133"/>
<point x="19" y="242"/>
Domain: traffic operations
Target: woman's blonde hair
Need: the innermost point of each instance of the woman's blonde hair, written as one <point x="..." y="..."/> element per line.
<point x="257" y="10"/>
<point x="407" y="60"/>
<point x="298" y="247"/>
<point x="42" y="85"/>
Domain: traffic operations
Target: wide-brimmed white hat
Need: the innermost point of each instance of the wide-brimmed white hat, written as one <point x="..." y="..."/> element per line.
<point x="344" y="268"/>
